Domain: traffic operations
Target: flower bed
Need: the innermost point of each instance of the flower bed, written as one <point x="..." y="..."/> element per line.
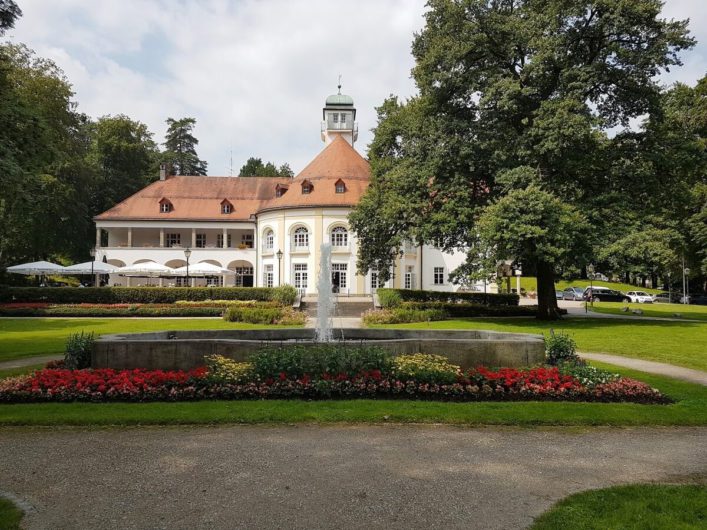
<point x="225" y="379"/>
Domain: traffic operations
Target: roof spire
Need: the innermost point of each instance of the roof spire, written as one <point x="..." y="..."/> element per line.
<point x="339" y="85"/>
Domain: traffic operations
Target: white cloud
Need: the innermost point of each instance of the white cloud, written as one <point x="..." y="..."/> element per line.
<point x="253" y="73"/>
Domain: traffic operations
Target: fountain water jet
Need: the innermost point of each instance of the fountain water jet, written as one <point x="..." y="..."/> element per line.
<point x="326" y="301"/>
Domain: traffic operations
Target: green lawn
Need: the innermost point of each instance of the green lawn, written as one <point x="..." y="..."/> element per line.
<point x="690" y="408"/>
<point x="530" y="283"/>
<point x="690" y="312"/>
<point x="40" y="336"/>
<point x="10" y="515"/>
<point x="635" y="507"/>
<point x="679" y="343"/>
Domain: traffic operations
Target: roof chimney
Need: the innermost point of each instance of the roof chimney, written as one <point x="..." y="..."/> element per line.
<point x="163" y="171"/>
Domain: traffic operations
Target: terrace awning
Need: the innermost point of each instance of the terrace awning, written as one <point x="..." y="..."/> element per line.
<point x="85" y="268"/>
<point x="148" y="268"/>
<point x="36" y="268"/>
<point x="201" y="269"/>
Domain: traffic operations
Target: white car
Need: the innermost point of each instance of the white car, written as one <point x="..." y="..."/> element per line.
<point x="639" y="297"/>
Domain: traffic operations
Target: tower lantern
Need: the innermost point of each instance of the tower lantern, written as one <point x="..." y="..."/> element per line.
<point x="339" y="115"/>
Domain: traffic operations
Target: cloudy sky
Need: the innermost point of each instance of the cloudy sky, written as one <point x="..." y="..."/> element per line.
<point x="254" y="73"/>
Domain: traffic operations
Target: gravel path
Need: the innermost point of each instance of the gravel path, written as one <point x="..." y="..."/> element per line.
<point x="670" y="370"/>
<point x="327" y="477"/>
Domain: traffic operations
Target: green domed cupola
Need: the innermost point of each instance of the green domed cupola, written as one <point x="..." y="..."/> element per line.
<point x="339" y="115"/>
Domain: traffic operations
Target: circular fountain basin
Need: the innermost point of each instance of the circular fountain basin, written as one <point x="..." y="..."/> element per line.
<point x="184" y="350"/>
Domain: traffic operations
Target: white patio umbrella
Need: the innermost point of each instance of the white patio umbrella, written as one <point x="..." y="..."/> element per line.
<point x="85" y="268"/>
<point x="37" y="268"/>
<point x="201" y="269"/>
<point x="148" y="268"/>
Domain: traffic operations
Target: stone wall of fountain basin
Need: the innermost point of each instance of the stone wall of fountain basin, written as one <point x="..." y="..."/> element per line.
<point x="183" y="350"/>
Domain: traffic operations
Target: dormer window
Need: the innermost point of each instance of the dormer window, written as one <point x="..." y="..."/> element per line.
<point x="165" y="206"/>
<point x="340" y="186"/>
<point x="226" y="207"/>
<point x="280" y="190"/>
<point x="307" y="187"/>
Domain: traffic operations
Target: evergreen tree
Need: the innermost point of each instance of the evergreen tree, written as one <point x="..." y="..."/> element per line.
<point x="254" y="167"/>
<point x="180" y="148"/>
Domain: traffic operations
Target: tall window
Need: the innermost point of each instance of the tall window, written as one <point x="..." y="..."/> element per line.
<point x="438" y="276"/>
<point x="335" y="117"/>
<point x="269" y="240"/>
<point x="268" y="276"/>
<point x="300" y="270"/>
<point x="219" y="241"/>
<point x="343" y="118"/>
<point x="409" y="277"/>
<point x="375" y="284"/>
<point x="339" y="237"/>
<point x="339" y="273"/>
<point x="247" y="240"/>
<point x="173" y="240"/>
<point x="300" y="239"/>
<point x="200" y="240"/>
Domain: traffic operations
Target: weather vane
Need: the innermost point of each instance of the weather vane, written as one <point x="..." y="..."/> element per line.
<point x="339" y="85"/>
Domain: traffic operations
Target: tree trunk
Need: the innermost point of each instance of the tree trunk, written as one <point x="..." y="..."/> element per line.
<point x="547" y="303"/>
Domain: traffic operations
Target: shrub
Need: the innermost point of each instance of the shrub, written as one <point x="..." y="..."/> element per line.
<point x="291" y="317"/>
<point x="424" y="368"/>
<point x="467" y="309"/>
<point x="560" y="348"/>
<point x="284" y="294"/>
<point x="131" y="295"/>
<point x="389" y="298"/>
<point x="413" y="295"/>
<point x="401" y="315"/>
<point x="78" y="350"/>
<point x="331" y="359"/>
<point x="253" y="315"/>
<point x="224" y="370"/>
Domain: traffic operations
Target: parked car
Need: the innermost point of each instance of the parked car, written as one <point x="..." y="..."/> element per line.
<point x="573" y="293"/>
<point x="601" y="277"/>
<point x="695" y="299"/>
<point x="640" y="297"/>
<point x="666" y="298"/>
<point x="603" y="294"/>
<point x="559" y="295"/>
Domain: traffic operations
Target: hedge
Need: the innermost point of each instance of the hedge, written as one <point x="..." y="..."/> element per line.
<point x="143" y="311"/>
<point x="474" y="310"/>
<point x="412" y="295"/>
<point x="132" y="295"/>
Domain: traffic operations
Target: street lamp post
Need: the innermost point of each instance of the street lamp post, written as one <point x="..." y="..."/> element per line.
<point x="519" y="273"/>
<point x="687" y="286"/>
<point x="93" y="259"/>
<point x="187" y="254"/>
<point x="279" y="267"/>
<point x="590" y="273"/>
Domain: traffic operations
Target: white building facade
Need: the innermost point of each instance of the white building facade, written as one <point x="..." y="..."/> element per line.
<point x="265" y="231"/>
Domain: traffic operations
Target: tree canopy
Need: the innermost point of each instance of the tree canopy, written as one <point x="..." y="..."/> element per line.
<point x="254" y="167"/>
<point x="180" y="148"/>
<point x="514" y="96"/>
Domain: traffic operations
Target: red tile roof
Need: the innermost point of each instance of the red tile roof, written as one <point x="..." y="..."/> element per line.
<point x="197" y="198"/>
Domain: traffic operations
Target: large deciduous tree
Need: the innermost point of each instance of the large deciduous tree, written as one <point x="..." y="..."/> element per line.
<point x="506" y="85"/>
<point x="180" y="148"/>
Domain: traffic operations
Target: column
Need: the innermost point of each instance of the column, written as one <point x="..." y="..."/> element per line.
<point x="225" y="238"/>
<point x="193" y="238"/>
<point x="161" y="237"/>
<point x="130" y="237"/>
<point x="98" y="238"/>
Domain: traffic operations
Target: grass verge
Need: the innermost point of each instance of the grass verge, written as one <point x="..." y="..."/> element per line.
<point x="530" y="283"/>
<point x="25" y="337"/>
<point x="10" y="515"/>
<point x="678" y="343"/>
<point x="688" y="312"/>
<point x="690" y="409"/>
<point x="635" y="507"/>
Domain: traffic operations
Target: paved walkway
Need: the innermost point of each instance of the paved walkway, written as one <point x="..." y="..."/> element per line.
<point x="335" y="477"/>
<point x="651" y="367"/>
<point x="29" y="361"/>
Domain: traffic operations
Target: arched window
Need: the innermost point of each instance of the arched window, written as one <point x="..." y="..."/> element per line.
<point x="269" y="240"/>
<point x="339" y="237"/>
<point x="300" y="238"/>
